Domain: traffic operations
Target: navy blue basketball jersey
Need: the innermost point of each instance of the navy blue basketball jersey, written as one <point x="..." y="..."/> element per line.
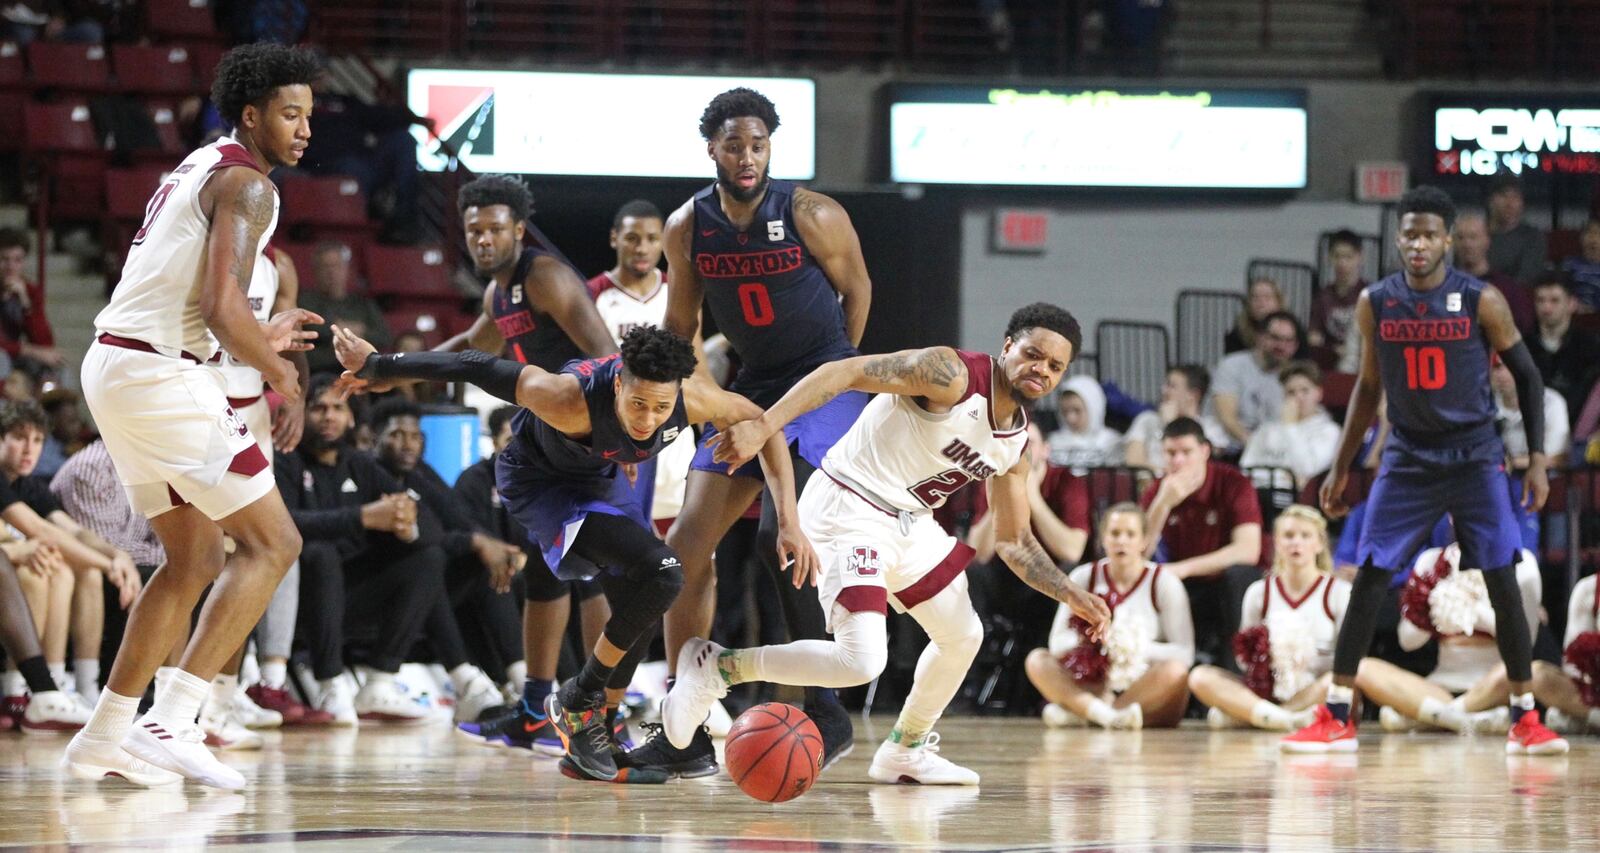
<point x="765" y="291"/>
<point x="532" y="336"/>
<point x="1434" y="360"/>
<point x="548" y="451"/>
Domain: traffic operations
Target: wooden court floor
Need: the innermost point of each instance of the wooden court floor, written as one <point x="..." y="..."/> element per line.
<point x="422" y="788"/>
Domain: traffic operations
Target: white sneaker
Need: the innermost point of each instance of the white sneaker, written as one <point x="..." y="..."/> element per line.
<point x="1057" y="717"/>
<point x="382" y="700"/>
<point x="718" y="724"/>
<point x="1558" y="722"/>
<point x="894" y="764"/>
<point x="54" y="712"/>
<point x="1218" y="719"/>
<point x="339" y="700"/>
<point x="698" y="687"/>
<point x="226" y="733"/>
<point x="1496" y="721"/>
<point x="1129" y="719"/>
<point x="479" y="694"/>
<point x="1394" y="721"/>
<point x="181" y="749"/>
<point x="250" y="715"/>
<point x="92" y="758"/>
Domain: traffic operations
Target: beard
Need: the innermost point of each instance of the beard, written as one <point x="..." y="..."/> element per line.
<point x="313" y="441"/>
<point x="739" y="194"/>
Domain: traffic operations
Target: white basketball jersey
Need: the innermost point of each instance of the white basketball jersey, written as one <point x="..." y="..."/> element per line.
<point x="244" y="380"/>
<point x="905" y="458"/>
<point x="622" y="311"/>
<point x="1318" y="611"/>
<point x="158" y="299"/>
<point x="1137" y="603"/>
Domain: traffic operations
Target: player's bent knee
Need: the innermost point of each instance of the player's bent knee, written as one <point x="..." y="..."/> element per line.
<point x="1039" y="662"/>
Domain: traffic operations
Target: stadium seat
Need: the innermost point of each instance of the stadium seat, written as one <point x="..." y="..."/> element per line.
<point x="149" y="70"/>
<point x="323" y="201"/>
<point x="180" y="19"/>
<point x="71" y="67"/>
<point x="1336" y="390"/>
<point x="58" y="128"/>
<point x="433" y="324"/>
<point x="204" y="56"/>
<point x="11" y="106"/>
<point x="410" y="273"/>
<point x="13" y="73"/>
<point x="165" y="116"/>
<point x="1135" y="356"/>
<point x="1202" y="319"/>
<point x="128" y="191"/>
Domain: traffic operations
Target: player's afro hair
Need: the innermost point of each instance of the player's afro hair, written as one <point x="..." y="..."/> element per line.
<point x="497" y="189"/>
<point x="657" y="355"/>
<point x="1429" y="199"/>
<point x="1043" y="315"/>
<point x="388" y="410"/>
<point x="735" y="103"/>
<point x="250" y="73"/>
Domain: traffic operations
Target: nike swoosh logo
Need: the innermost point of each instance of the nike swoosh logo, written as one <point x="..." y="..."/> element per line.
<point x="610" y="454"/>
<point x="530" y="728"/>
<point x="708" y="233"/>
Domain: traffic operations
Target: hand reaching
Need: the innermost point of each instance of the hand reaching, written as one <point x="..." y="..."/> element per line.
<point x="795" y="550"/>
<point x="739" y="443"/>
<point x="284" y="332"/>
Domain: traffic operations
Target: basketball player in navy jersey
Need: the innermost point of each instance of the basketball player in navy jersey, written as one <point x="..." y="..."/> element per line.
<point x="536" y="310"/>
<point x="781" y="271"/>
<point x="1426" y="335"/>
<point x="559" y="478"/>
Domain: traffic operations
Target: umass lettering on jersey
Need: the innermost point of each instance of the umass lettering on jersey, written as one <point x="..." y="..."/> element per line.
<point x="970" y="460"/>
<point x="1434" y="361"/>
<point x="766" y="293"/>
<point x="532" y="336"/>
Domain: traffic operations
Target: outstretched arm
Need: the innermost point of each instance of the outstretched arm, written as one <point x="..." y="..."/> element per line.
<point x="830" y="238"/>
<point x="936" y="374"/>
<point x="1027" y="559"/>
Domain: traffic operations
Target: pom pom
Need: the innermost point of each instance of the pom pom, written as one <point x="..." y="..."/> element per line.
<point x="1414" y="598"/>
<point x="1085" y="662"/>
<point x="1292" y="648"/>
<point x="1253" y="648"/>
<point x="1455" y="600"/>
<point x="1583" y="656"/>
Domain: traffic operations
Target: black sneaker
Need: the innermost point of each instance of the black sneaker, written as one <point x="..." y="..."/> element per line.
<point x="584" y="733"/>
<point x="625" y="775"/>
<point x="522" y="728"/>
<point x="838" y="734"/>
<point x="658" y="754"/>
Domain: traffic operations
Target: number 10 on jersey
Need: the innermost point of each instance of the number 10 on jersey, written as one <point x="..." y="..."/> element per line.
<point x="1425" y="368"/>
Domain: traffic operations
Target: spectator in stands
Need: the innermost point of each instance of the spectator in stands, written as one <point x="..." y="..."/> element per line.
<point x="1245" y="389"/>
<point x="478" y="574"/>
<point x="1183" y="395"/>
<point x="51" y="20"/>
<point x="1084" y="440"/>
<point x="364" y="571"/>
<point x="1262" y="299"/>
<point x="1508" y="417"/>
<point x="1515" y="247"/>
<point x="373" y="144"/>
<point x="25" y="332"/>
<point x="68" y="434"/>
<point x="1471" y="256"/>
<point x="1584" y="267"/>
<point x="1303" y="438"/>
<point x="338" y="304"/>
<point x="1333" y="312"/>
<point x="1568" y="357"/>
<point x="1205" y="524"/>
<point x="1058" y="504"/>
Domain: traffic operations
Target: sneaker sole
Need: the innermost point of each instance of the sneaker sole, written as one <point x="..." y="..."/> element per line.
<point x="838" y="756"/>
<point x="1312" y="748"/>
<point x="135" y="746"/>
<point x="552" y="712"/>
<point x="94" y="773"/>
<point x="50" y="729"/>
<point x="906" y="779"/>
<point x="1547" y="748"/>
<point x="396" y="719"/>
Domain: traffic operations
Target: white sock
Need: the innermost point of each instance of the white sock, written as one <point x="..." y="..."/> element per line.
<point x="13" y="684"/>
<point x="179" y="703"/>
<point x="1267" y="715"/>
<point x="275" y="674"/>
<point x="113" y="716"/>
<point x="461" y="676"/>
<point x="1100" y="713"/>
<point x="219" y="695"/>
<point x="1340" y="695"/>
<point x="1441" y="714"/>
<point x="58" y="673"/>
<point x="1523" y="702"/>
<point x="517" y="673"/>
<point x="86" y="671"/>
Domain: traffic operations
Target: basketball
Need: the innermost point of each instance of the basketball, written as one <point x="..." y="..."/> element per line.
<point x="774" y="752"/>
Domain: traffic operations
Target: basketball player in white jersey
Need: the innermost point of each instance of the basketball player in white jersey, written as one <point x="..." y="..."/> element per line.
<point x="1300" y="606"/>
<point x="942" y="419"/>
<point x="1137" y="675"/>
<point x="188" y="460"/>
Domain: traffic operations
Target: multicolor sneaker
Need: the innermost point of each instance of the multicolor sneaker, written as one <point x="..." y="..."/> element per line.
<point x="583" y="730"/>
<point x="658" y="753"/>
<point x="521" y="728"/>
<point x="625" y="775"/>
<point x="1530" y="737"/>
<point x="1325" y="734"/>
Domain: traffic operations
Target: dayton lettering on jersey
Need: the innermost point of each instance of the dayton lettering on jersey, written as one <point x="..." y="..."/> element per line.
<point x="774" y="262"/>
<point x="958" y="452"/>
<point x="1426" y="331"/>
<point x="511" y="325"/>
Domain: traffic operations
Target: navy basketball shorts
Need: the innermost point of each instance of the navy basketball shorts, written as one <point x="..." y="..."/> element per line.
<point x="813" y="433"/>
<point x="1416" y="487"/>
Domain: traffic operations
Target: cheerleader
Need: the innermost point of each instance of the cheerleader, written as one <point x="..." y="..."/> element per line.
<point x="1573" y="695"/>
<point x="1137" y="676"/>
<point x="1285" y="644"/>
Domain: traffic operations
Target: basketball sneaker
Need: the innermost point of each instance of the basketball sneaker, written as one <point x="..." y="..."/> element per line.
<point x="838" y="733"/>
<point x="700" y="684"/>
<point x="1057" y="717"/>
<point x="1216" y="718"/>
<point x="477" y="696"/>
<point x="520" y="728"/>
<point x="1530" y="737"/>
<point x="897" y="764"/>
<point x="1325" y="734"/>
<point x="250" y="715"/>
<point x="338" y="702"/>
<point x="382" y="699"/>
<point x="90" y="757"/>
<point x="657" y="752"/>
<point x="54" y="712"/>
<point x="1395" y="722"/>
<point x="278" y="700"/>
<point x="581" y="723"/>
<point x="226" y="733"/>
<point x="180" y="748"/>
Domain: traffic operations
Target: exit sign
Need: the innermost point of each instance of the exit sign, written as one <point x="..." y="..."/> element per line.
<point x="1020" y="230"/>
<point x="1380" y="182"/>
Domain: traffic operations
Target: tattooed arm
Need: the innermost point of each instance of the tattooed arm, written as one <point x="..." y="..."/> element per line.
<point x="1027" y="559"/>
<point x="936" y="375"/>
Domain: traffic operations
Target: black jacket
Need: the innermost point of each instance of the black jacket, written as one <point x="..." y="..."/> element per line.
<point x="325" y="501"/>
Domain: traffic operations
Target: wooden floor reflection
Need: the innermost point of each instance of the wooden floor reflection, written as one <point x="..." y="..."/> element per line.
<point x="423" y="788"/>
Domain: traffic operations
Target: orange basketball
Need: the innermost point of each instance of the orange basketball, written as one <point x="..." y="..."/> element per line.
<point x="774" y="752"/>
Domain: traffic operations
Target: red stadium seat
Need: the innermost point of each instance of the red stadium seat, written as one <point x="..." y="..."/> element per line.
<point x="11" y="105"/>
<point x="73" y="67"/>
<point x="128" y="191"/>
<point x="148" y="70"/>
<point x="1337" y="388"/>
<point x="329" y="201"/>
<point x="304" y="256"/>
<point x="13" y="74"/>
<point x="204" y="56"/>
<point x="434" y="324"/>
<point x="165" y="116"/>
<point x="412" y="273"/>
<point x="180" y="19"/>
<point x="60" y="128"/>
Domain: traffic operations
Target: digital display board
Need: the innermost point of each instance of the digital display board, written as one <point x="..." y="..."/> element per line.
<point x="1097" y="137"/>
<point x="624" y="125"/>
<point x="1530" y="135"/>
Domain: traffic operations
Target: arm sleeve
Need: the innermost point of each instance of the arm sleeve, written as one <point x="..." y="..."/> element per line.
<point x="1530" y="393"/>
<point x="498" y="376"/>
<point x="1177" y="627"/>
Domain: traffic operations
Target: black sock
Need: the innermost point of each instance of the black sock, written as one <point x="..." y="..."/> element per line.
<point x="594" y="676"/>
<point x="37" y="673"/>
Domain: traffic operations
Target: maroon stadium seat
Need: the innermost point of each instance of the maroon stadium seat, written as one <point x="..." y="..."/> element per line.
<point x="148" y="70"/>
<point x="13" y="73"/>
<point x="179" y="19"/>
<point x="335" y="201"/>
<point x="204" y="56"/>
<point x="172" y="150"/>
<point x="73" y="67"/>
<point x="410" y="272"/>
<point x="64" y="127"/>
<point x="128" y="191"/>
<point x="433" y="323"/>
<point x="11" y="104"/>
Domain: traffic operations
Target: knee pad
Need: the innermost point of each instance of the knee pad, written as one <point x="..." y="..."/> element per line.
<point x="586" y="590"/>
<point x="539" y="585"/>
